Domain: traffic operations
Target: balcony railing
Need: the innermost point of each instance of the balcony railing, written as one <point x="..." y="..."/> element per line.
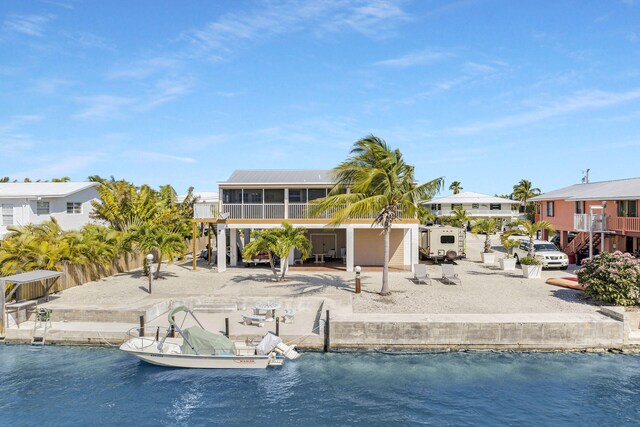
<point x="618" y="223"/>
<point x="480" y="212"/>
<point x="581" y="222"/>
<point x="278" y="211"/>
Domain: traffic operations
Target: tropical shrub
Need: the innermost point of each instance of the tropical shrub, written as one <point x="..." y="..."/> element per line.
<point x="529" y="260"/>
<point x="486" y="226"/>
<point x="508" y="245"/>
<point x="612" y="278"/>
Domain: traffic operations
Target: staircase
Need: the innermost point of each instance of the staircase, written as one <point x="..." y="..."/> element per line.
<point x="581" y="243"/>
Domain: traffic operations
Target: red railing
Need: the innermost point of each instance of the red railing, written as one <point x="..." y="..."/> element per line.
<point x="623" y="224"/>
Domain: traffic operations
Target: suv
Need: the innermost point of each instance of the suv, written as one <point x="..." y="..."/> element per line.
<point x="543" y="250"/>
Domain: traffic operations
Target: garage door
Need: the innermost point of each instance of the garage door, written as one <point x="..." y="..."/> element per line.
<point x="369" y="247"/>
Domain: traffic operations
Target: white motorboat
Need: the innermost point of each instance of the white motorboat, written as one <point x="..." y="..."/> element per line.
<point x="195" y="347"/>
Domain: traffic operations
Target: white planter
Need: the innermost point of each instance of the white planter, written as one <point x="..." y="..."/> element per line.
<point x="508" y="263"/>
<point x="488" y="258"/>
<point x="531" y="271"/>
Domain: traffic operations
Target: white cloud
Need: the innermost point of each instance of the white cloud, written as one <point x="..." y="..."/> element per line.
<point x="100" y="107"/>
<point x="144" y="68"/>
<point x="32" y="25"/>
<point x="58" y="164"/>
<point x="417" y="58"/>
<point x="166" y="90"/>
<point x="50" y="86"/>
<point x="89" y="40"/>
<point x="150" y="155"/>
<point x="577" y="102"/>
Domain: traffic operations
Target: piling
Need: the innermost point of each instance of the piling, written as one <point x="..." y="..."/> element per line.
<point x="141" y="333"/>
<point x="226" y="326"/>
<point x="327" y="343"/>
<point x="277" y="326"/>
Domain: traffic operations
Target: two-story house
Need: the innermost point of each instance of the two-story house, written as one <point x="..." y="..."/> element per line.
<point x="477" y="206"/>
<point x="608" y="208"/>
<point x="25" y="203"/>
<point x="258" y="199"/>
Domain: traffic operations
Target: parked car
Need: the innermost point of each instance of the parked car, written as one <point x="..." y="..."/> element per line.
<point x="556" y="239"/>
<point x="543" y="250"/>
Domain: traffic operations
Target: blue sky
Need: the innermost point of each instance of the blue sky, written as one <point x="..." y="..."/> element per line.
<point x="184" y="92"/>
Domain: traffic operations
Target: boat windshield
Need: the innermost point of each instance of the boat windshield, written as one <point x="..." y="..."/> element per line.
<point x="545" y="247"/>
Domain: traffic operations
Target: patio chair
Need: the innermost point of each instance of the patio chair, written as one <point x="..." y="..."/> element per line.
<point x="331" y="253"/>
<point x="449" y="275"/>
<point x="420" y="274"/>
<point x="289" y="315"/>
<point x="343" y="255"/>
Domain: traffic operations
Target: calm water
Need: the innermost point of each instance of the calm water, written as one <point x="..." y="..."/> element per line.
<point x="96" y="386"/>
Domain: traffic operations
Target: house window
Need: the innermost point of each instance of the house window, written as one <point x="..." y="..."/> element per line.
<point x="317" y="193"/>
<point x="579" y="207"/>
<point x="7" y="214"/>
<point x="456" y="205"/>
<point x="274" y="196"/>
<point x="74" y="207"/>
<point x="297" y="196"/>
<point x="436" y="206"/>
<point x="628" y="208"/>
<point x="252" y="196"/>
<point x="549" y="208"/>
<point x="42" y="208"/>
<point x="475" y="206"/>
<point x="495" y="206"/>
<point x="231" y="196"/>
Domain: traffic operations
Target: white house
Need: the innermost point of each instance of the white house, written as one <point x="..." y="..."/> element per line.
<point x="34" y="202"/>
<point x="202" y="196"/>
<point x="258" y="199"/>
<point x="476" y="205"/>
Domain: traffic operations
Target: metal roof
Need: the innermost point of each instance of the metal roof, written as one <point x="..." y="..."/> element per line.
<point x="275" y="176"/>
<point x="31" y="276"/>
<point x="470" y="197"/>
<point x="42" y="189"/>
<point x="619" y="189"/>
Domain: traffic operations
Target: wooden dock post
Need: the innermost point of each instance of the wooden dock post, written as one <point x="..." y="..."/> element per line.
<point x="226" y="326"/>
<point x="141" y="332"/>
<point x="277" y="326"/>
<point x="327" y="343"/>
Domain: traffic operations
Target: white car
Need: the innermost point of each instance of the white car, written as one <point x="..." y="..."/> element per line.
<point x="543" y="250"/>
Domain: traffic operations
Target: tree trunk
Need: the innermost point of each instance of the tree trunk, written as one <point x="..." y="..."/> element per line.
<point x="158" y="267"/>
<point x="273" y="267"/>
<point x="487" y="243"/>
<point x="283" y="267"/>
<point x="530" y="251"/>
<point x="385" y="269"/>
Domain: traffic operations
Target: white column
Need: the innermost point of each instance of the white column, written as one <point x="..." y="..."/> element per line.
<point x="415" y="245"/>
<point x="350" y="252"/>
<point x="233" y="246"/>
<point x="286" y="203"/>
<point x="292" y="256"/>
<point x="221" y="249"/>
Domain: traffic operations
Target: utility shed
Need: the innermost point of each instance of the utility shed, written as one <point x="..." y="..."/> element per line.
<point x="48" y="277"/>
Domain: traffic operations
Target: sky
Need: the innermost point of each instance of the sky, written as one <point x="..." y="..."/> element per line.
<point x="485" y="92"/>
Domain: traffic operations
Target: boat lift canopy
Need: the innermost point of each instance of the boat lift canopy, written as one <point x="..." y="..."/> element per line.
<point x="49" y="278"/>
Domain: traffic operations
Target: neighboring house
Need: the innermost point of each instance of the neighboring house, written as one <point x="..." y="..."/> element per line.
<point x="256" y="199"/>
<point x="476" y="205"/>
<point x="202" y="196"/>
<point x="569" y="208"/>
<point x="34" y="202"/>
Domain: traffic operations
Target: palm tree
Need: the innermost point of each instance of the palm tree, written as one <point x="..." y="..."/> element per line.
<point x="459" y="218"/>
<point x="375" y="180"/>
<point x="522" y="192"/>
<point x="486" y="226"/>
<point x="530" y="230"/>
<point x="148" y="237"/>
<point x="456" y="186"/>
<point x="278" y="242"/>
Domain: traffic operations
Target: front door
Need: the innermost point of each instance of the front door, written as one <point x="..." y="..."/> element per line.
<point x="323" y="243"/>
<point x="629" y="245"/>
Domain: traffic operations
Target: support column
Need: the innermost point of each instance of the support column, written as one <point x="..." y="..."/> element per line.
<point x="415" y="246"/>
<point x="193" y="242"/>
<point x="3" y="316"/>
<point x="233" y="246"/>
<point x="564" y="239"/>
<point x="286" y="203"/>
<point x="350" y="252"/>
<point x="209" y="249"/>
<point x="221" y="249"/>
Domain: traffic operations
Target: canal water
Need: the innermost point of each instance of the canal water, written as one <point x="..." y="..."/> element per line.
<point x="75" y="386"/>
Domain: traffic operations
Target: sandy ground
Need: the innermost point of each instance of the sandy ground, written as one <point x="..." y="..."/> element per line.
<point x="483" y="290"/>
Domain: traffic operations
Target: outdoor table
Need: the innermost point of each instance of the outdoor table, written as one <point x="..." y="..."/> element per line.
<point x="269" y="309"/>
<point x="321" y="260"/>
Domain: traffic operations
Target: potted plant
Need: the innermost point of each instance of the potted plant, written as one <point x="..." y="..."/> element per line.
<point x="531" y="267"/>
<point x="486" y="226"/>
<point x="508" y="262"/>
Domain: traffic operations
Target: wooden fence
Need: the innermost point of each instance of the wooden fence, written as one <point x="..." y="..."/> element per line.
<point x="78" y="274"/>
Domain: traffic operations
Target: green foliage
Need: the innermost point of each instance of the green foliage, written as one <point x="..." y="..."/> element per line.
<point x="46" y="246"/>
<point x="459" y="218"/>
<point x="529" y="229"/>
<point x="123" y="205"/>
<point x="380" y="184"/>
<point x="508" y="245"/>
<point x="522" y="192"/>
<point x="529" y="260"/>
<point x="612" y="278"/>
<point x="486" y="226"/>
<point x="278" y="242"/>
<point x="456" y="186"/>
<point x="148" y="238"/>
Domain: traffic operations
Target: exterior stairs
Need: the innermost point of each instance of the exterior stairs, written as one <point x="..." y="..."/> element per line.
<point x="580" y="243"/>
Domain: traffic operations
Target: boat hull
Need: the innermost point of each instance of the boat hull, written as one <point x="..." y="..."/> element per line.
<point x="150" y="355"/>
